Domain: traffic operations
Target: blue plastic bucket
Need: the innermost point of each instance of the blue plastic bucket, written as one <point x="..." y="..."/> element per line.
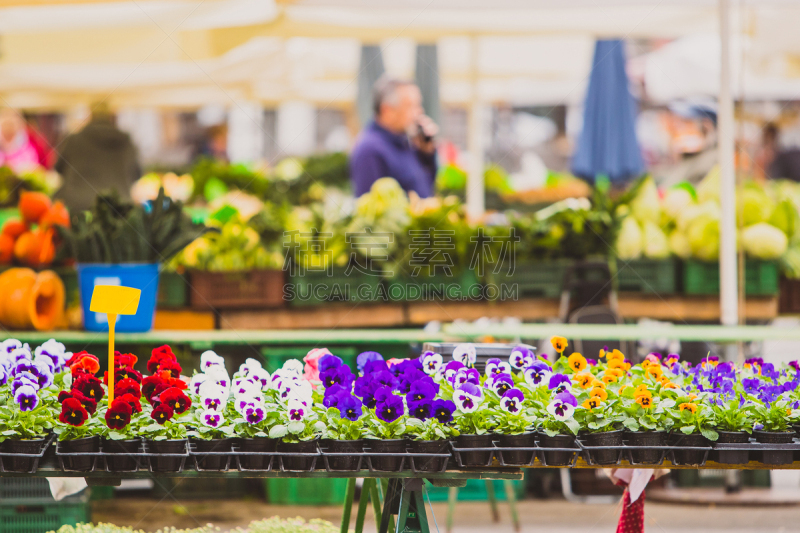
<point x="142" y="276"/>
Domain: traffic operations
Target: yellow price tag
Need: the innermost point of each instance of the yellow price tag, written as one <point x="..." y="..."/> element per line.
<point x="113" y="300"/>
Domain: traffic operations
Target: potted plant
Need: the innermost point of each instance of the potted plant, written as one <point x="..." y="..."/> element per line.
<point x="386" y="430"/>
<point x="475" y="423"/>
<point x="601" y="426"/>
<point x="211" y="433"/>
<point x="514" y="423"/>
<point x="647" y="420"/>
<point x="78" y="430"/>
<point x="299" y="431"/>
<point x="693" y="422"/>
<point x="558" y="429"/>
<point x="344" y="432"/>
<point x="252" y="426"/>
<point x="429" y="426"/>
<point x="127" y="242"/>
<point x="165" y="437"/>
<point x="772" y="421"/>
<point x="733" y="424"/>
<point x="122" y="438"/>
<point x="25" y="420"/>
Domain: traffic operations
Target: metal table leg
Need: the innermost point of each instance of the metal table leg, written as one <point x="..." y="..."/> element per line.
<point x="349" y="494"/>
<point x="404" y="498"/>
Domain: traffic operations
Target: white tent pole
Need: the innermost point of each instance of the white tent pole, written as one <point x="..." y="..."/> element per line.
<point x="475" y="142"/>
<point x="728" y="293"/>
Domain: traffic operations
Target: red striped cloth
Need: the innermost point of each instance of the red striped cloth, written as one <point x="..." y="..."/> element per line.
<point x="631" y="519"/>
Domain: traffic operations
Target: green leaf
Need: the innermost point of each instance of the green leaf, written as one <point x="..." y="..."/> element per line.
<point x="278" y="432"/>
<point x="687" y="430"/>
<point x="710" y="434"/>
<point x="296" y="427"/>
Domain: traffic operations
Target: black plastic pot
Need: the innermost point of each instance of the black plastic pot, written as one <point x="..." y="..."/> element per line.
<point x="166" y="463"/>
<point x="212" y="462"/>
<point x="21" y="464"/>
<point x="117" y="454"/>
<point x="646" y="438"/>
<point x="732" y="457"/>
<point x="260" y="445"/>
<point x="605" y="438"/>
<point x="387" y="463"/>
<point x="688" y="457"/>
<point x="345" y="463"/>
<point x="429" y="464"/>
<point x="775" y="457"/>
<point x="298" y="463"/>
<point x="557" y="441"/>
<point x="481" y="458"/>
<point x="85" y="445"/>
<point x="517" y="457"/>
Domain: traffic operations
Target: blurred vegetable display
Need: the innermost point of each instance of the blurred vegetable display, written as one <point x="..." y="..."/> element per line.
<point x="118" y="232"/>
<point x="38" y="180"/>
<point x="32" y="239"/>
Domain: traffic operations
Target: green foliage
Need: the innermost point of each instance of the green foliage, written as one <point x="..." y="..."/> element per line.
<point x="339" y="428"/>
<point x="429" y="429"/>
<point x="776" y="417"/>
<point x="274" y="524"/>
<point x="731" y="417"/>
<point x="118" y="232"/>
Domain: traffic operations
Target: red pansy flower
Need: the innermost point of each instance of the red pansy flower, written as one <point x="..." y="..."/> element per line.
<point x="72" y="412"/>
<point x="162" y="413"/>
<point x="176" y="399"/>
<point x="128" y="386"/>
<point x="125" y="359"/>
<point x="131" y="400"/>
<point x="89" y="386"/>
<point x="119" y="414"/>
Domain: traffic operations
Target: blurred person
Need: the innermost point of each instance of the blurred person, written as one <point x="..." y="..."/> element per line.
<point x="398" y="143"/>
<point x="98" y="159"/>
<point x="215" y="145"/>
<point x="693" y="127"/>
<point x="785" y="162"/>
<point x="17" y="150"/>
<point x="766" y="153"/>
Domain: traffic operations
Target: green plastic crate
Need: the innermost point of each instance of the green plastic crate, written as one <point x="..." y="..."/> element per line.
<point x="649" y="276"/>
<point x="440" y="286"/>
<point x="475" y="491"/>
<point x="308" y="491"/>
<point x="276" y="356"/>
<point x="30" y="490"/>
<point x="38" y="518"/>
<point x="173" y="291"/>
<point x="316" y="287"/>
<point x="533" y="279"/>
<point x="702" y="278"/>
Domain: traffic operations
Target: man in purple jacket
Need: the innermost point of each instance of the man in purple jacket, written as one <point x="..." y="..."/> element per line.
<point x="398" y="143"/>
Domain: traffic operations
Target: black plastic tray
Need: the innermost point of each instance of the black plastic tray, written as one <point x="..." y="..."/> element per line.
<point x="142" y="458"/>
<point x="624" y="453"/>
<point x="496" y="454"/>
<point x="36" y="457"/>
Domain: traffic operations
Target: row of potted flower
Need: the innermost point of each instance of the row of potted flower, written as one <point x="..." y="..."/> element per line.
<point x="384" y="407"/>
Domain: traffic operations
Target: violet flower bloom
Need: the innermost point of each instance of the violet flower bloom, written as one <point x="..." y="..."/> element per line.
<point x="511" y="402"/>
<point x="559" y="383"/>
<point x="25" y="365"/>
<point x="382" y="393"/>
<point x="496" y="366"/>
<point x="213" y="403"/>
<point x="521" y="357"/>
<point x="422" y="390"/>
<point x="408" y="377"/>
<point x="421" y="410"/>
<point x="537" y="374"/>
<point x="328" y="361"/>
<point x="768" y="370"/>
<point x="468" y="397"/>
<point x="500" y="384"/>
<point x="350" y="407"/>
<point x="563" y="406"/>
<point x="44" y="373"/>
<point x="9" y="345"/>
<point x="210" y="358"/>
<point x="340" y="375"/>
<point x="333" y="395"/>
<point x="751" y="385"/>
<point x="431" y="362"/>
<point x="465" y="353"/>
<point x="3" y="375"/>
<point x="26" y="398"/>
<point x="770" y="393"/>
<point x="297" y="411"/>
<point x="450" y="370"/>
<point x="390" y="409"/>
<point x="367" y="357"/>
<point x="794" y="364"/>
<point x="754" y="361"/>
<point x="385" y="379"/>
<point x="466" y="375"/>
<point x="372" y="367"/>
<point x="212" y="419"/>
<point x="758" y="426"/>
<point x="25" y="378"/>
<point x="443" y="410"/>
<point x="254" y="414"/>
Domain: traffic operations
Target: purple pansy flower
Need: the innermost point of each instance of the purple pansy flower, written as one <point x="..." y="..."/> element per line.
<point x="443" y="410"/>
<point x="466" y="375"/>
<point x="254" y="414"/>
<point x="423" y="389"/>
<point x="468" y="397"/>
<point x="521" y="357"/>
<point x="511" y="402"/>
<point x="421" y="410"/>
<point x="26" y="398"/>
<point x="496" y="366"/>
<point x="328" y="361"/>
<point x="341" y="375"/>
<point x="350" y="407"/>
<point x="450" y="370"/>
<point x="563" y="406"/>
<point x="559" y="383"/>
<point x="500" y="383"/>
<point x="212" y="419"/>
<point x="372" y="367"/>
<point x="751" y="385"/>
<point x="431" y="362"/>
<point x="537" y="374"/>
<point x="390" y="408"/>
<point x="367" y="357"/>
<point x="297" y="411"/>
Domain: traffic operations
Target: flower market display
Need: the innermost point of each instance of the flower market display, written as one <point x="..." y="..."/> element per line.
<point x="425" y="414"/>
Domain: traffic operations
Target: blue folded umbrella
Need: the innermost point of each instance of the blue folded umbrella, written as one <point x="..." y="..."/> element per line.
<point x="607" y="144"/>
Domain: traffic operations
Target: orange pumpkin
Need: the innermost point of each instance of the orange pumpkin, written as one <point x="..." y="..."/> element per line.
<point x="14" y="228"/>
<point x="6" y="249"/>
<point x="22" y="245"/>
<point x="31" y="300"/>
<point x="41" y="250"/>
<point x="33" y="206"/>
<point x="57" y="215"/>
